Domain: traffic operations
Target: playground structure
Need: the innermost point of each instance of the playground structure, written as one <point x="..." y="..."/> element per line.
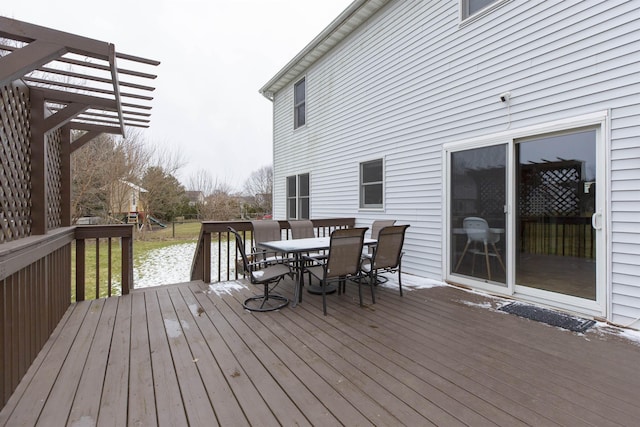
<point x="141" y="220"/>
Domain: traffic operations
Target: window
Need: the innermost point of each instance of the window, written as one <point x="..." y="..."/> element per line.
<point x="298" y="197"/>
<point x="371" y="185"/>
<point x="299" y="110"/>
<point x="471" y="7"/>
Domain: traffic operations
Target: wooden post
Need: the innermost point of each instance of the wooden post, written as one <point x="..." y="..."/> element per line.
<point x="127" y="264"/>
<point x="80" y="269"/>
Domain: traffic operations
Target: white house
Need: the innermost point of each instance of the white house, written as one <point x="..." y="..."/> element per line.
<point x="525" y="114"/>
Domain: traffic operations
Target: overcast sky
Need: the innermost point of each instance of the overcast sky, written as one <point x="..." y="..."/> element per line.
<point x="215" y="55"/>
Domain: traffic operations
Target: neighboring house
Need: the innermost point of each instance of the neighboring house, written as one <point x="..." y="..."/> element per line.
<point x="525" y="114"/>
<point x="196" y="198"/>
<point x="126" y="200"/>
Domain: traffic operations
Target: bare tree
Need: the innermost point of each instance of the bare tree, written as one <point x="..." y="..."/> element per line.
<point x="90" y="178"/>
<point x="170" y="161"/>
<point x="259" y="188"/>
<point x="219" y="203"/>
<point x="101" y="170"/>
<point x="222" y="206"/>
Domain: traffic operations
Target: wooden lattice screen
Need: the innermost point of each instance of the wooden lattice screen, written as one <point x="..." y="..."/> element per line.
<point x="491" y="194"/>
<point x="551" y="189"/>
<point x="15" y="196"/>
<point x="554" y="218"/>
<point x="53" y="180"/>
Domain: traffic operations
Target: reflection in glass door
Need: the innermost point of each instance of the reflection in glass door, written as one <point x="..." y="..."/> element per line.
<point x="555" y="241"/>
<point x="477" y="208"/>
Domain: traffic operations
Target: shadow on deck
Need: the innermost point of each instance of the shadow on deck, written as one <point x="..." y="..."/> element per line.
<point x="188" y="354"/>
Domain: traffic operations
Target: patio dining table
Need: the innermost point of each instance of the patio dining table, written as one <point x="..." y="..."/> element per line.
<point x="299" y="247"/>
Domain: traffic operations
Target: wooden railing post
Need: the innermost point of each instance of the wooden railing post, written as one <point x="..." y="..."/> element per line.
<point x="80" y="269"/>
<point x="206" y="257"/>
<point x="127" y="264"/>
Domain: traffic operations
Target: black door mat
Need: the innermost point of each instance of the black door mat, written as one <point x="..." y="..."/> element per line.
<point x="550" y="317"/>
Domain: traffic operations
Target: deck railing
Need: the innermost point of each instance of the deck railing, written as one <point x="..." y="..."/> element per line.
<point x="36" y="289"/>
<point x="216" y="252"/>
<point x="103" y="236"/>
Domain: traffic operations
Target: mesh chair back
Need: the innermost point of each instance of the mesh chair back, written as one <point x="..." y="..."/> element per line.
<point x="345" y="250"/>
<point x="378" y="225"/>
<point x="265" y="231"/>
<point x="388" y="250"/>
<point x="301" y="229"/>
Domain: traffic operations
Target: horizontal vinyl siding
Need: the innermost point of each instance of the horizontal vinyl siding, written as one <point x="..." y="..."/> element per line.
<point x="625" y="206"/>
<point x="411" y="79"/>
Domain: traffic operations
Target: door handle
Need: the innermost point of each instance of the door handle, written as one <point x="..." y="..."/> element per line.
<point x="596" y="221"/>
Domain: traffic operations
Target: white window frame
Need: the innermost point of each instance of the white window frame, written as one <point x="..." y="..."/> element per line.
<point x="297" y="197"/>
<point x="361" y="185"/>
<point x="466" y="17"/>
<point x="297" y="105"/>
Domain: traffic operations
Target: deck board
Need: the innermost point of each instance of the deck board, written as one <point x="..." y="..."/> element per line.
<point x="187" y="355"/>
<point x="142" y="404"/>
<point x="169" y="405"/>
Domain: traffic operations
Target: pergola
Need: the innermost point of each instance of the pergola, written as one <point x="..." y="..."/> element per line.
<point x="74" y="83"/>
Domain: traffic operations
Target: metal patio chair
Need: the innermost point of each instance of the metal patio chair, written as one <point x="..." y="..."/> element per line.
<point x="266" y="231"/>
<point x="387" y="256"/>
<point x="302" y="229"/>
<point x="268" y="276"/>
<point x="342" y="261"/>
<point x="376" y="226"/>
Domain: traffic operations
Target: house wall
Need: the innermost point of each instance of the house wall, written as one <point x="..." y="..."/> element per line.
<point x="413" y="78"/>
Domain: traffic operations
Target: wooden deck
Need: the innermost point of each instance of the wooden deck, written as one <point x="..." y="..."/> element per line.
<point x="185" y="355"/>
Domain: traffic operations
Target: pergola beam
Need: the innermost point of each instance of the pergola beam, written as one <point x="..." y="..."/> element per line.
<point x="82" y="140"/>
<point x="26" y="59"/>
<point x="63" y="116"/>
<point x="70" y="97"/>
<point x="116" y="85"/>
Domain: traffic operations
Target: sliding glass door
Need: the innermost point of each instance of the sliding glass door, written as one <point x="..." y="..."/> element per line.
<point x="478" y="181"/>
<point x="556" y="198"/>
<point x="524" y="217"/>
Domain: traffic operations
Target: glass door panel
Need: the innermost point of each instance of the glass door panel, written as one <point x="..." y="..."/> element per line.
<point x="478" y="198"/>
<point x="556" y="244"/>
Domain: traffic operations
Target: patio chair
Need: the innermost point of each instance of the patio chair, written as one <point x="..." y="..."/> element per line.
<point x="387" y="256"/>
<point x="478" y="232"/>
<point x="266" y="231"/>
<point x="341" y="263"/>
<point x="268" y="276"/>
<point x="376" y="226"/>
<point x="302" y="229"/>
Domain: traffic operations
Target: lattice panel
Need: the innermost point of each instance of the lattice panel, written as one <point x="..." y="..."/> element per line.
<point x="53" y="181"/>
<point x="15" y="168"/>
<point x="491" y="191"/>
<point x="551" y="189"/>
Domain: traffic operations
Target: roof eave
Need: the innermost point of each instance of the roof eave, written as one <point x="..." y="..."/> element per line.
<point x="348" y="21"/>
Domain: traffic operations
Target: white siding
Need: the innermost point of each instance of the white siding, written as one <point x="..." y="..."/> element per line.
<point x="411" y="79"/>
